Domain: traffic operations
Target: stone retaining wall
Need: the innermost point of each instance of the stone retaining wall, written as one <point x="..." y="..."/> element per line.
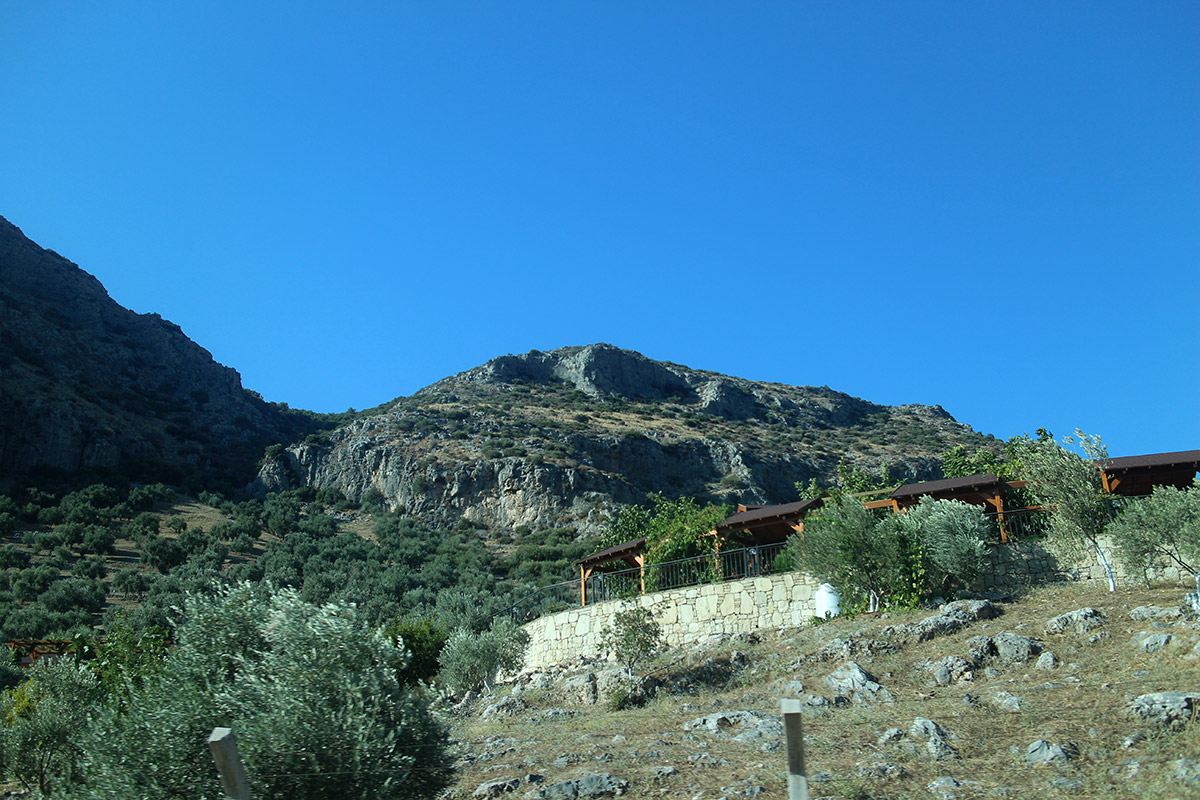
<point x="690" y="614"/>
<point x="687" y="615"/>
<point x="1012" y="566"/>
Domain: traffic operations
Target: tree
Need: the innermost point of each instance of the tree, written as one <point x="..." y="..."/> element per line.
<point x="632" y="637"/>
<point x="471" y="661"/>
<point x="311" y="692"/>
<point x="424" y="640"/>
<point x="893" y="559"/>
<point x="1163" y="526"/>
<point x="840" y="545"/>
<point x="1071" y="488"/>
<point x="42" y="720"/>
<point x="673" y="529"/>
<point x="953" y="538"/>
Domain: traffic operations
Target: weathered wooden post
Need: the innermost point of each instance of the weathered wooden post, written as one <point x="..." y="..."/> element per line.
<point x="223" y="746"/>
<point x="794" y="732"/>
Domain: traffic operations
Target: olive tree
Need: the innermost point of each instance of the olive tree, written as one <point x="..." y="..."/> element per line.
<point x="1070" y="487"/>
<point x="953" y="538"/>
<point x="41" y="721"/>
<point x="1163" y="526"/>
<point x="893" y="559"/>
<point x="471" y="661"/>
<point x="633" y="636"/>
<point x="311" y="692"/>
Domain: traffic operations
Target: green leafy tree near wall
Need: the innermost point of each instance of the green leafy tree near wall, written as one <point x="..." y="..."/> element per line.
<point x="632" y="636"/>
<point x="1164" y="527"/>
<point x="673" y="529"/>
<point x="1069" y="485"/>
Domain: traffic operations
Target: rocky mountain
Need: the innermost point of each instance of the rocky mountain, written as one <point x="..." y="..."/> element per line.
<point x="563" y="438"/>
<point x="86" y="383"/>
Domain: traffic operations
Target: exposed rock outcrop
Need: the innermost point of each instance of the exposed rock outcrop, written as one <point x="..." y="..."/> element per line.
<point x="87" y="383"/>
<point x="565" y="437"/>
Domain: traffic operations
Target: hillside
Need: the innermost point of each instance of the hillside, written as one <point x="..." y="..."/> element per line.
<point x="86" y="384"/>
<point x="562" y="438"/>
<point x="955" y="715"/>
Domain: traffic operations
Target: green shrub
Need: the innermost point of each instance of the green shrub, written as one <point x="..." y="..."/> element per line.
<point x="1164" y="527"/>
<point x="470" y="661"/>
<point x="42" y="723"/>
<point x="632" y="636"/>
<point x="310" y="691"/>
<point x="953" y="537"/>
<point x="424" y="641"/>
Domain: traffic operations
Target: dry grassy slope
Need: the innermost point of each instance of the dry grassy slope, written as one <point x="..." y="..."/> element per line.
<point x="1083" y="702"/>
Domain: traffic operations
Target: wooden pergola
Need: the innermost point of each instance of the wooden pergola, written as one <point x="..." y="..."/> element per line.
<point x="749" y="526"/>
<point x="758" y="525"/>
<point x="1138" y="475"/>
<point x="630" y="554"/>
<point x="985" y="490"/>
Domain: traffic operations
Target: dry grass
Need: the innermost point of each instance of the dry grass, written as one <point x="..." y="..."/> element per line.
<point x="1085" y="705"/>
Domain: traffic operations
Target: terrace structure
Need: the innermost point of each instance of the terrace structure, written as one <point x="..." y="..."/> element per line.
<point x="1138" y="475"/>
<point x="762" y="530"/>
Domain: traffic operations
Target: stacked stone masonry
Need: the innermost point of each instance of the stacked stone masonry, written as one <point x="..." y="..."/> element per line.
<point x="691" y="614"/>
<point x="687" y="615"/>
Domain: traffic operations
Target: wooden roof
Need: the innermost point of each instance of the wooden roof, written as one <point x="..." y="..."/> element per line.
<point x="618" y="552"/>
<point x="766" y="524"/>
<point x="949" y="487"/>
<point x="1137" y="475"/>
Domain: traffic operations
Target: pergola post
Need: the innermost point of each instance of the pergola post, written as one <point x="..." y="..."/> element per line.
<point x="583" y="576"/>
<point x="999" y="502"/>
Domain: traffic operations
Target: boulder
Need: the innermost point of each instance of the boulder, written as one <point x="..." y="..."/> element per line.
<point x="1171" y="710"/>
<point x="1143" y="613"/>
<point x="1153" y="642"/>
<point x="1043" y="752"/>
<point x="1081" y="620"/>
<point x="950" y="618"/>
<point x="1014" y="648"/>
<point x="505" y="707"/>
<point x="852" y="680"/>
<point x="599" y="785"/>
<point x="493" y="789"/>
<point x="741" y="726"/>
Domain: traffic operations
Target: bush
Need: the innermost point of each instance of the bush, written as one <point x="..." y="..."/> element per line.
<point x="310" y="691"/>
<point x="953" y="536"/>
<point x="471" y="661"/>
<point x="72" y="594"/>
<point x="1071" y="488"/>
<point x="162" y="554"/>
<point x="42" y="723"/>
<point x="98" y="539"/>
<point x="424" y="641"/>
<point x="131" y="582"/>
<point x="632" y="637"/>
<point x="1162" y="527"/>
<point x="897" y="559"/>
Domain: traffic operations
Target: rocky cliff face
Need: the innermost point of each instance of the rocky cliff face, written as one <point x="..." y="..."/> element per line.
<point x="563" y="438"/>
<point x="87" y="383"/>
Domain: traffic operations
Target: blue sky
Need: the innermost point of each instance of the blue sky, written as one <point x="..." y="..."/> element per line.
<point x="994" y="207"/>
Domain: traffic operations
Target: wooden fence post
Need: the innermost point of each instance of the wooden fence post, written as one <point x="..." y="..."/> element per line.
<point x="794" y="732"/>
<point x="223" y="746"/>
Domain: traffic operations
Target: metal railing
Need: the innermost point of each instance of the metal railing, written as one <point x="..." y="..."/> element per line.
<point x="747" y="562"/>
<point x="546" y="600"/>
<point x="1021" y="523"/>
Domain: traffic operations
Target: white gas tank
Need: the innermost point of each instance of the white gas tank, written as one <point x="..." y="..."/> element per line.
<point x="828" y="601"/>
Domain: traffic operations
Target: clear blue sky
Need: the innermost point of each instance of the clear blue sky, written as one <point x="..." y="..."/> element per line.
<point x="994" y="207"/>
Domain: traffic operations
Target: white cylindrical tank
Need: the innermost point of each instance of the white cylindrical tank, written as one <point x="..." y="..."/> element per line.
<point x="828" y="601"/>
